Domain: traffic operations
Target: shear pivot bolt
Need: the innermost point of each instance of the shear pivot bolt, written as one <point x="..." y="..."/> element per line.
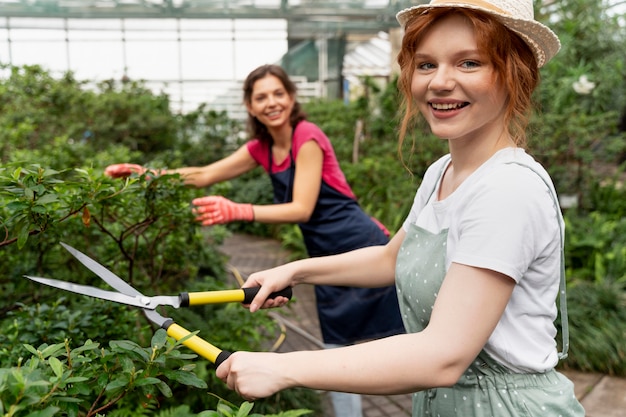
<point x="145" y="300"/>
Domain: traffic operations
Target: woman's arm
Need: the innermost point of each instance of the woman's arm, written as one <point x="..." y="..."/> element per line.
<point x="468" y="307"/>
<point x="232" y="166"/>
<point x="227" y="168"/>
<point x="306" y="188"/>
<point x="212" y="210"/>
<point x="372" y="266"/>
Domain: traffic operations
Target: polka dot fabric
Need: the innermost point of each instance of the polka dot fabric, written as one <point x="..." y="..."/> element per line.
<point x="419" y="280"/>
<point x="486" y="389"/>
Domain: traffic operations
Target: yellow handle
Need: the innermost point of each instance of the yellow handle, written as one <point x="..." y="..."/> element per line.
<point x="197" y="344"/>
<point x="243" y="295"/>
<point x="216" y="297"/>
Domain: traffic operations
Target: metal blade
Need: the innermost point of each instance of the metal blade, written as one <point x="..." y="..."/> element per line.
<point x="137" y="301"/>
<point x="156" y="318"/>
<point x="108" y="276"/>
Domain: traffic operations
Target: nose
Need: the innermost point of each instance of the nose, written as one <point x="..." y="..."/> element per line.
<point x="442" y="79"/>
<point x="271" y="100"/>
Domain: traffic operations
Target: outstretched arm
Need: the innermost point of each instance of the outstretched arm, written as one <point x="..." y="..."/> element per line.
<point x="372" y="266"/>
<point x="227" y="168"/>
<point x="306" y="188"/>
<point x="307" y="182"/>
<point x="468" y="307"/>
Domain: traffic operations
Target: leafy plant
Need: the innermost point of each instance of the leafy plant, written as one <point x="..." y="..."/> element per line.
<point x="597" y="331"/>
<point x="227" y="409"/>
<point x="90" y="379"/>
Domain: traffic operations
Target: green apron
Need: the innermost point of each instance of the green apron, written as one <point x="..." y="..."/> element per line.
<point x="486" y="388"/>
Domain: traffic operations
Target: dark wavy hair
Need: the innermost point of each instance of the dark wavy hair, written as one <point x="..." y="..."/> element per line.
<point x="255" y="128"/>
<point x="515" y="66"/>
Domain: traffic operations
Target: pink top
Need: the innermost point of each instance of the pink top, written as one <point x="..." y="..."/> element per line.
<point x="305" y="131"/>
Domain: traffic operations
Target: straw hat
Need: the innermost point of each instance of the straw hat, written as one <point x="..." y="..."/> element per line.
<point x="517" y="15"/>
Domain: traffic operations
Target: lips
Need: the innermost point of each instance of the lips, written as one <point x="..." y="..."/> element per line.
<point x="448" y="106"/>
<point x="274" y="113"/>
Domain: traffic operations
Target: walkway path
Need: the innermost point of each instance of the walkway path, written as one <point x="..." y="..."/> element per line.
<point x="601" y="395"/>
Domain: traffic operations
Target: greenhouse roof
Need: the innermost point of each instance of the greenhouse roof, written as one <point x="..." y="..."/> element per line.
<point x="342" y="15"/>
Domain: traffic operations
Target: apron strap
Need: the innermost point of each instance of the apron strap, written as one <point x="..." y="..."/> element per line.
<point x="292" y="167"/>
<point x="562" y="282"/>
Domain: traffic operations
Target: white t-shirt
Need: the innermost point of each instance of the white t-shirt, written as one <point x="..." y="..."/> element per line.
<point x="503" y="218"/>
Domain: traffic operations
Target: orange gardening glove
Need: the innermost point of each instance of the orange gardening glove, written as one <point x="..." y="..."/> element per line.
<point x="218" y="210"/>
<point x="123" y="170"/>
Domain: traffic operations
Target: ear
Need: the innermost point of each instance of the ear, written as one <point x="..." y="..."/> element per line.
<point x="249" y="108"/>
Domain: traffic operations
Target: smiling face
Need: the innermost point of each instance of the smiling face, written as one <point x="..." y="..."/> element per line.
<point x="270" y="102"/>
<point x="453" y="83"/>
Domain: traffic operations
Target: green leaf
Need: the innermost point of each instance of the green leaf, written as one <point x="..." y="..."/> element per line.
<point x="225" y="410"/>
<point x="118" y="383"/>
<point x="74" y="379"/>
<point x="69" y="400"/>
<point x="165" y="389"/>
<point x="17" y="206"/>
<point x="244" y="409"/>
<point x="47" y="199"/>
<point x="186" y="378"/>
<point x="30" y="348"/>
<point x="88" y="346"/>
<point x="127" y="345"/>
<point x="127" y="364"/>
<point x="47" y="412"/>
<point x="159" y="338"/>
<point x="57" y="366"/>
<point x="17" y="173"/>
<point x="147" y="381"/>
<point x="52" y="349"/>
<point x="22" y="238"/>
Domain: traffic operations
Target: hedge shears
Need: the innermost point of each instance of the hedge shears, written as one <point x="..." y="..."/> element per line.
<point x="126" y="294"/>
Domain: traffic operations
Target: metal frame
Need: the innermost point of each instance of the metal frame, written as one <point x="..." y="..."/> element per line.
<point x="319" y="20"/>
<point x="365" y="16"/>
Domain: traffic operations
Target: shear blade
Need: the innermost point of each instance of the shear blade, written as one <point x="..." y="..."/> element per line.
<point x="106" y="275"/>
<point x="139" y="301"/>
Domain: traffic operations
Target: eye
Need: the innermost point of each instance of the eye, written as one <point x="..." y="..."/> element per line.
<point x="425" y="66"/>
<point x="469" y="64"/>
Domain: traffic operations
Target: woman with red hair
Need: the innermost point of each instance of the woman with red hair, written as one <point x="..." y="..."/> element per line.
<point x="478" y="262"/>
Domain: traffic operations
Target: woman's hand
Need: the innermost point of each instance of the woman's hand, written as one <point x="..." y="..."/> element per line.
<point x="218" y="210"/>
<point x="270" y="280"/>
<point x="123" y="170"/>
<point x="253" y="375"/>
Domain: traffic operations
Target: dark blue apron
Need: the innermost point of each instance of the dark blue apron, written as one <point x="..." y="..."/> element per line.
<point x="346" y="314"/>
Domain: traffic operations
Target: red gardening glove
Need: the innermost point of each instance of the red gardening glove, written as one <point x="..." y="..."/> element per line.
<point x="123" y="170"/>
<point x="218" y="210"/>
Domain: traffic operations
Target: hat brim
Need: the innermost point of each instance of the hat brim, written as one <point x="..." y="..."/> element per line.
<point x="542" y="40"/>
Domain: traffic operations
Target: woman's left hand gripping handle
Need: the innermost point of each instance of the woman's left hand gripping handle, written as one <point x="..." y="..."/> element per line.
<point x="223" y="355"/>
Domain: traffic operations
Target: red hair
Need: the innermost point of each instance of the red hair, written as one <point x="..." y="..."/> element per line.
<point x="515" y="66"/>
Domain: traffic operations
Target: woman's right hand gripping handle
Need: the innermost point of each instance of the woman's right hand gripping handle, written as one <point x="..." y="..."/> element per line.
<point x="254" y="375"/>
<point x="270" y="282"/>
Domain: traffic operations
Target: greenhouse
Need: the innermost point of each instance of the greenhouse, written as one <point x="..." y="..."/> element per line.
<point x="173" y="44"/>
<point x="156" y="154"/>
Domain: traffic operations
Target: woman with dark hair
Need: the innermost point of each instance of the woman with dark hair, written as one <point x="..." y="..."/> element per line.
<point x="309" y="189"/>
<point x="478" y="262"/>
